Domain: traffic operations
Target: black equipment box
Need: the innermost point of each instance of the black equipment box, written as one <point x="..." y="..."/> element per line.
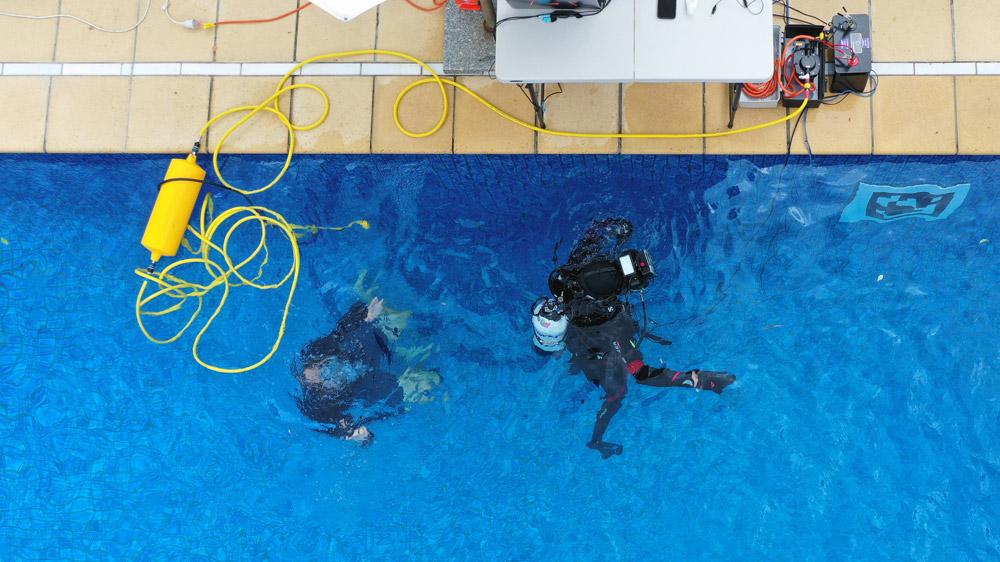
<point x="852" y="53"/>
<point x="807" y="57"/>
<point x="555" y="4"/>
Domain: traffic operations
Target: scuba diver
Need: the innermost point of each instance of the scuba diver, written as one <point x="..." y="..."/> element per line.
<point x="589" y="317"/>
<point x="345" y="384"/>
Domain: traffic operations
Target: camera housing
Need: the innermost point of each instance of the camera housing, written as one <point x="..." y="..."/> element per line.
<point x="603" y="279"/>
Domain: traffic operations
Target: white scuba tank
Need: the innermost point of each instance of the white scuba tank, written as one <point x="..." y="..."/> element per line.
<point x="549" y="324"/>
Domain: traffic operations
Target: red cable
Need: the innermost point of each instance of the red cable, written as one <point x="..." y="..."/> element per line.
<point x="269" y="20"/>
<point x="763" y="89"/>
<point x="437" y="5"/>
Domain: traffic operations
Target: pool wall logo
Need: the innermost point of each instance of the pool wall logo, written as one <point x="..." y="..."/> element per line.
<point x="883" y="203"/>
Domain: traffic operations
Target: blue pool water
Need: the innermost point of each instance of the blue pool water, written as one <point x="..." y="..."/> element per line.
<point x="863" y="425"/>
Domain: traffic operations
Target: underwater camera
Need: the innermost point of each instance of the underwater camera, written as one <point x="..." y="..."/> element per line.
<point x="603" y="279"/>
<point x="575" y="286"/>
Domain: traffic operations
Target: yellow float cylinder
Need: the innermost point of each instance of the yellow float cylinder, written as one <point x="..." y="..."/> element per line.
<point x="173" y="207"/>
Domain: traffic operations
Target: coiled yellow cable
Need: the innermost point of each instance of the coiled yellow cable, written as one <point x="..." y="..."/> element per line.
<point x="229" y="275"/>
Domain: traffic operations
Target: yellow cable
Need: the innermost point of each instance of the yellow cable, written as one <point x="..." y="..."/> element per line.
<point x="229" y="276"/>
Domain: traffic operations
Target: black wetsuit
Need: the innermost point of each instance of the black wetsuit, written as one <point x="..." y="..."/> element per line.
<point x="603" y="339"/>
<point x="355" y="387"/>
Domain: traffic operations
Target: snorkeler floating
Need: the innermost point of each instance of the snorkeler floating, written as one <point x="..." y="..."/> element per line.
<point x="589" y="317"/>
<point x="345" y="380"/>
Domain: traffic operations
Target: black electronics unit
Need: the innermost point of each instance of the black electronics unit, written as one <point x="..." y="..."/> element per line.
<point x="666" y="9"/>
<point x="852" y="53"/>
<point x="555" y="4"/>
<point x="808" y="57"/>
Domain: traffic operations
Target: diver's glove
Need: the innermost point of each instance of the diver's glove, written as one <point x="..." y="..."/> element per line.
<point x="606" y="449"/>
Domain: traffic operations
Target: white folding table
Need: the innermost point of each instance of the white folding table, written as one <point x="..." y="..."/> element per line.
<point x="628" y="43"/>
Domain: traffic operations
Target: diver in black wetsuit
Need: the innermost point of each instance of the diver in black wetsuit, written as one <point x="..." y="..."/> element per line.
<point x="345" y="384"/>
<point x="601" y="333"/>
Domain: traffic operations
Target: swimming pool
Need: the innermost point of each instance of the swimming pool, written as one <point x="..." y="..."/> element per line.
<point x="862" y="426"/>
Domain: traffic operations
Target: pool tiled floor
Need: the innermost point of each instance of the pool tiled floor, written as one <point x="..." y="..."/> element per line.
<point x="67" y="88"/>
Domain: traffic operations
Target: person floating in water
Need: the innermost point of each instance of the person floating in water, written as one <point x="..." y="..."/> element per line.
<point x="345" y="379"/>
<point x="589" y="317"/>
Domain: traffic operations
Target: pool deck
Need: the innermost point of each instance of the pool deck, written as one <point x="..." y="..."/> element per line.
<point x="67" y="88"/>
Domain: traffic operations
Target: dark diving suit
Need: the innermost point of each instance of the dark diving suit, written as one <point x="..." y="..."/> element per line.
<point x="354" y="387"/>
<point x="603" y="338"/>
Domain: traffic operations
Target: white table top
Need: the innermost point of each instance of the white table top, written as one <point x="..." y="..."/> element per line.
<point x="627" y="42"/>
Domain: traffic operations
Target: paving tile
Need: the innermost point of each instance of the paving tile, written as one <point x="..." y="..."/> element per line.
<point x="161" y="40"/>
<point x="348" y="127"/>
<point x="166" y="113"/>
<point x="87" y="114"/>
<point x="419" y="112"/>
<point x="478" y="130"/>
<point x="25" y="102"/>
<point x="978" y="120"/>
<point x="944" y="68"/>
<point x="976" y="23"/>
<point x="588" y="108"/>
<point x="662" y="108"/>
<point x="915" y="115"/>
<point x="405" y="29"/>
<point x="264" y="133"/>
<point x="78" y="42"/>
<point x="28" y="40"/>
<point x="903" y="30"/>
<point x="320" y="33"/>
<point x="844" y="128"/>
<point x="771" y="140"/>
<point x="265" y="42"/>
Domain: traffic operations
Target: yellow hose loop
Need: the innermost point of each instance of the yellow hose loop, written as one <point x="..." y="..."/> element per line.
<point x="172" y="287"/>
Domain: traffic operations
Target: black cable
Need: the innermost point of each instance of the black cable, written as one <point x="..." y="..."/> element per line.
<point x="745" y="4"/>
<point x="559" y="14"/>
<point x="546" y="98"/>
<point x="206" y="182"/>
<point x="787" y="19"/>
<point x="798" y="11"/>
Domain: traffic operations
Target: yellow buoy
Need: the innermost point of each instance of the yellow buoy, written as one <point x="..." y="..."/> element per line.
<point x="172" y="210"/>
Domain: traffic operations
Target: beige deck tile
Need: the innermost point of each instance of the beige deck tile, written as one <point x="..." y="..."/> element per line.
<point x="321" y="33"/>
<point x="419" y="112"/>
<point x="844" y="128"/>
<point x="915" y="115"/>
<point x="976" y="23"/>
<point x="80" y="43"/>
<point x="348" y="127"/>
<point x="160" y="40"/>
<point x="28" y="40"/>
<point x="978" y="120"/>
<point x="87" y="114"/>
<point x="264" y="133"/>
<point x="478" y="130"/>
<point x="166" y="112"/>
<point x="903" y="30"/>
<point x="265" y="42"/>
<point x="587" y="108"/>
<point x="406" y="29"/>
<point x="662" y="108"/>
<point x="771" y="140"/>
<point x="25" y="101"/>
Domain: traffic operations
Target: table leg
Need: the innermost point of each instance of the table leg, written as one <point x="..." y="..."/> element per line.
<point x="734" y="102"/>
<point x="537" y="102"/>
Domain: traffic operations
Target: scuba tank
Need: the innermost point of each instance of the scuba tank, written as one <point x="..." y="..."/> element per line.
<point x="549" y="324"/>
